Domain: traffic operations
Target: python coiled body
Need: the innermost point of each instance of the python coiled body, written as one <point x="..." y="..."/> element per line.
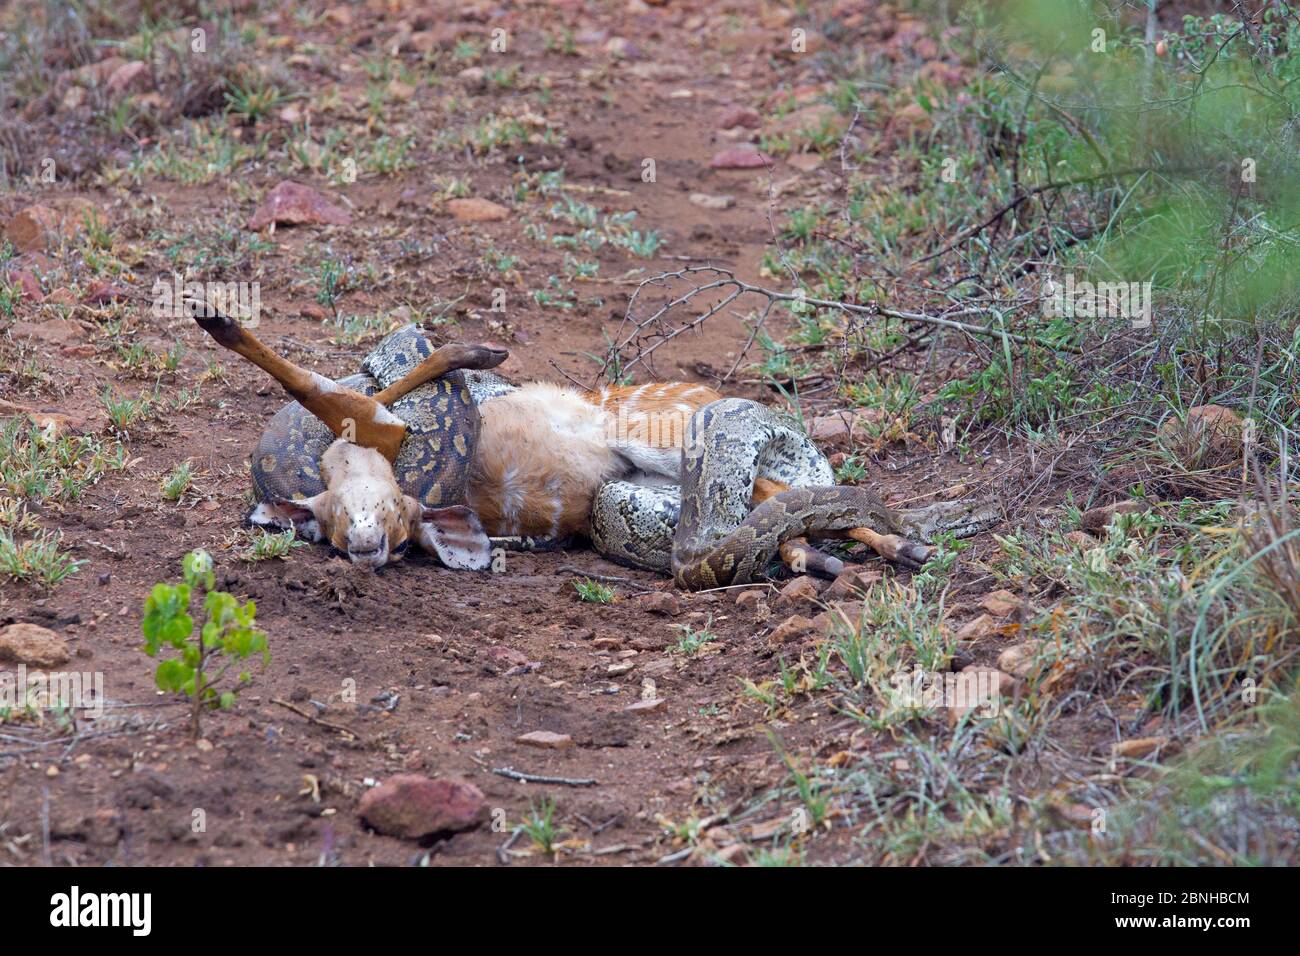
<point x="696" y="524"/>
<point x="703" y="530"/>
<point x="441" y="418"/>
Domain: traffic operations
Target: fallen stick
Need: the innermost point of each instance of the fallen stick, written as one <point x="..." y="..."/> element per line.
<point x="306" y="715"/>
<point x="538" y="778"/>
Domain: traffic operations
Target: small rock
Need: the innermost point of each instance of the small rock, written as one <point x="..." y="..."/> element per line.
<point x="665" y="603"/>
<point x="851" y="582"/>
<point x="503" y="656"/>
<point x="293" y="204"/>
<point x="26" y="281"/>
<point x="94" y="74"/>
<point x="805" y="162"/>
<point x="802" y="588"/>
<point x="840" y="428"/>
<point x="911" y="120"/>
<point x="810" y="124"/>
<point x="1211" y="435"/>
<point x="104" y="292"/>
<point x="706" y="201"/>
<point x="545" y="740"/>
<point x="748" y="597"/>
<point x="130" y="77"/>
<point x="976" y="628"/>
<point x="474" y="77"/>
<point x="844" y="617"/>
<point x="740" y="157"/>
<point x="1019" y="660"/>
<point x="1076" y="815"/>
<point x="73" y="97"/>
<point x="1081" y="540"/>
<point x="32" y="645"/>
<point x="412" y="806"/>
<point x="659" y="668"/>
<point x="732" y="116"/>
<point x="101" y="828"/>
<point x="789" y="629"/>
<point x="477" y="210"/>
<point x="400" y="91"/>
<point x="30" y="229"/>
<point x="646" y="706"/>
<point x="1001" y="603"/>
<point x="622" y="48"/>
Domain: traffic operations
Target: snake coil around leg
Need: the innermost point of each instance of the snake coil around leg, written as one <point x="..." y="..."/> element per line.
<point x="705" y="533"/>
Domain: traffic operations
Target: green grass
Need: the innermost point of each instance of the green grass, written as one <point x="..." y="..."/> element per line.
<point x="268" y="545"/>
<point x="38" y="560"/>
<point x="593" y="592"/>
<point x="1230" y="800"/>
<point x="197" y="154"/>
<point x="59" y="469"/>
<point x="178" y="482"/>
<point x="691" y="640"/>
<point x="540" y="825"/>
<point x="126" y="412"/>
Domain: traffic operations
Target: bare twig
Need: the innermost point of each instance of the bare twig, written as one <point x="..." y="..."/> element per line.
<point x="538" y="778"/>
<point x="644" y="336"/>
<point x="307" y="715"/>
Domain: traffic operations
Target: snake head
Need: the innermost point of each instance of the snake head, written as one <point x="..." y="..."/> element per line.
<point x="961" y="519"/>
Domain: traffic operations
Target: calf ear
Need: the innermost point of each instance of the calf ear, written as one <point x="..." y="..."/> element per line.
<point x="456" y="537"/>
<point x="303" y="515"/>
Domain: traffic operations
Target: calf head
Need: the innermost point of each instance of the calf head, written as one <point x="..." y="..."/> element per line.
<point x="364" y="514"/>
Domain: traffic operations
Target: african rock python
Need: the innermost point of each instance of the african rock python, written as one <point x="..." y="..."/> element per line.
<point x="704" y="531"/>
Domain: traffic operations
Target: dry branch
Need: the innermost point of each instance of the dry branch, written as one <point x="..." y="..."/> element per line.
<point x="638" y="339"/>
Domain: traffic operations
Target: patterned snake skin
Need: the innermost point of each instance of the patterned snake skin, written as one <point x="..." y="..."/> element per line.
<point x="703" y="530"/>
<point x="441" y="418"/>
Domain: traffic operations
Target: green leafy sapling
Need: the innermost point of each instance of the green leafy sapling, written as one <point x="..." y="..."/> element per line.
<point x="228" y="635"/>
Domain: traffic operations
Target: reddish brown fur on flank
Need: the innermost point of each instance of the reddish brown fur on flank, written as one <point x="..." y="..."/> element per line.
<point x="657" y="398"/>
<point x="543" y="452"/>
